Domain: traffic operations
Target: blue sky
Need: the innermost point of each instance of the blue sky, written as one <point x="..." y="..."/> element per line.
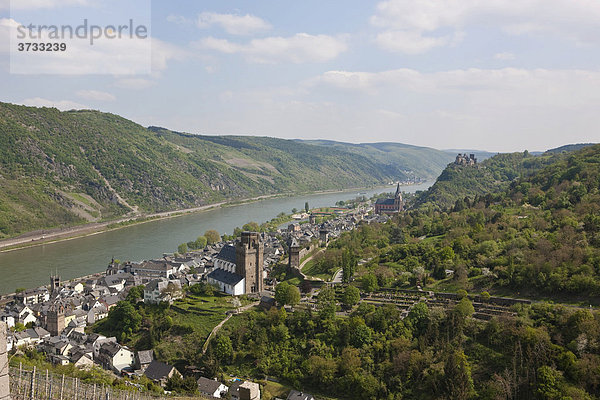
<point x="497" y="75"/>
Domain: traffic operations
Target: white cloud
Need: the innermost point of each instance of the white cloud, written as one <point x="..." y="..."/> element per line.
<point x="95" y="95"/>
<point x="505" y="56"/>
<point x="63" y="105"/>
<point x="300" y="48"/>
<point x="232" y="23"/>
<point x="497" y="109"/>
<point x="178" y="19"/>
<point x="133" y="83"/>
<point x="428" y="22"/>
<point x="7" y="25"/>
<point x="163" y="52"/>
<point x="508" y="86"/>
<point x="40" y="4"/>
<point x="409" y="42"/>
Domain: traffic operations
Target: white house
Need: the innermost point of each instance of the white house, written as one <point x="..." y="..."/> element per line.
<point x="96" y="314"/>
<point x="211" y="388"/>
<point x="8" y="319"/>
<point x="116" y="357"/>
<point x="76" y="287"/>
<point x="98" y="341"/>
<point x="33" y="296"/>
<point x="159" y="290"/>
<point x="228" y="282"/>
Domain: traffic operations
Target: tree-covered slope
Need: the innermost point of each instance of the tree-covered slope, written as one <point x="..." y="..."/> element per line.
<point x="540" y="236"/>
<point x="64" y="168"/>
<point x="402" y="160"/>
<point x="490" y="176"/>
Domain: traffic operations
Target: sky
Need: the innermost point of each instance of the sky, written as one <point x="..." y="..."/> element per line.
<point x="495" y="75"/>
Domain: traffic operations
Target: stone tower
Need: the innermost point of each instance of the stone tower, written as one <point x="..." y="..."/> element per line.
<point x="249" y="261"/>
<point x="323" y="236"/>
<point x="294" y="252"/>
<point x="54" y="283"/>
<point x="398" y="199"/>
<point x="55" y="320"/>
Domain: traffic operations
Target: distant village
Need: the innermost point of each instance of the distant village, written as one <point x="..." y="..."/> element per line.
<point x="55" y="316"/>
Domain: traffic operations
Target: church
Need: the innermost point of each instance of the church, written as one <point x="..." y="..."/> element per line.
<point x="239" y="269"/>
<point x="390" y="206"/>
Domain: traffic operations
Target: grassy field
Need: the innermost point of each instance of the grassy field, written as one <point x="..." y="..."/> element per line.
<point x="193" y="318"/>
<point x="202" y="313"/>
<point x="310" y="270"/>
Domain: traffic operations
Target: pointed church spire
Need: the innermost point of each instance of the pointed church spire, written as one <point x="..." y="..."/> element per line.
<point x="398" y="193"/>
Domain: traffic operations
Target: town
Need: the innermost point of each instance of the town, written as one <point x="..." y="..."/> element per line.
<point x="53" y="319"/>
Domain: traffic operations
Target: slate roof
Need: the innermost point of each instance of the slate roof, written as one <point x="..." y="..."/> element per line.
<point x="389" y="202"/>
<point x="156" y="284"/>
<point x="111" y="348"/>
<point x="227" y="253"/>
<point x="228" y="278"/>
<point x="158" y="370"/>
<point x="146" y="356"/>
<point x="296" y="395"/>
<point x="208" y="386"/>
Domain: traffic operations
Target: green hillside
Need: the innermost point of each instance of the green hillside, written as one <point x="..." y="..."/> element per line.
<point x="63" y="168"/>
<point x="402" y="160"/>
<point x="490" y="176"/>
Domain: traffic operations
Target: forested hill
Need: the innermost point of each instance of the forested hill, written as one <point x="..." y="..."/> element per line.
<point x="490" y="176"/>
<point x="402" y="160"/>
<point x="63" y="168"/>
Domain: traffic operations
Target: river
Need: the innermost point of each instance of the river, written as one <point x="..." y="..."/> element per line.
<point x="31" y="267"/>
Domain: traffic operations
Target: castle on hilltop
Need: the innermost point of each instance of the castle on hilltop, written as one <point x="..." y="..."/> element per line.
<point x="463" y="159"/>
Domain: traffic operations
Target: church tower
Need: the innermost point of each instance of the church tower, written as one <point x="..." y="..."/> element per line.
<point x="249" y="261"/>
<point x="398" y="199"/>
<point x="54" y="284"/>
<point x="55" y="320"/>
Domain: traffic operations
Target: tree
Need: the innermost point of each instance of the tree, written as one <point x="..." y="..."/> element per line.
<point x="135" y="294"/>
<point x="124" y="319"/>
<point x="369" y="283"/>
<point x="419" y="316"/>
<point x="182" y="248"/>
<point x="212" y="236"/>
<point x="293" y="297"/>
<point x="349" y="264"/>
<point x="281" y="293"/>
<point x="294" y="210"/>
<point x="222" y="347"/>
<point x="485" y="296"/>
<point x="326" y="303"/>
<point x="306" y="207"/>
<point x="287" y="294"/>
<point x="322" y="370"/>
<point x="201" y="242"/>
<point x="549" y="383"/>
<point x="305" y="286"/>
<point x="19" y="327"/>
<point x="464" y="307"/>
<point x="351" y="296"/>
<point x="458" y="381"/>
<point x="251" y="226"/>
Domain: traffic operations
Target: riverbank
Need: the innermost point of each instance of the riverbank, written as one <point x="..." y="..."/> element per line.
<point x="49" y="236"/>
